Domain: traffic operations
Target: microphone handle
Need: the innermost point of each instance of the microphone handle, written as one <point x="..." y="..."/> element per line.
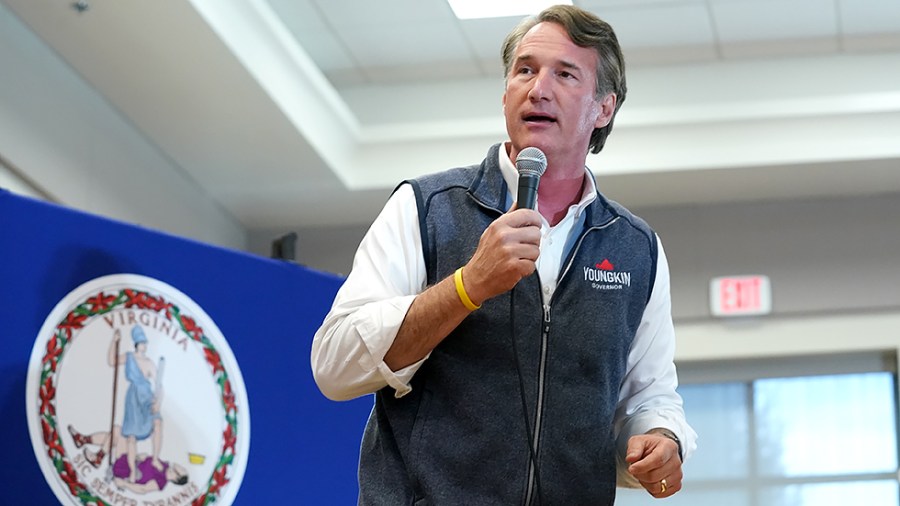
<point x="528" y="188"/>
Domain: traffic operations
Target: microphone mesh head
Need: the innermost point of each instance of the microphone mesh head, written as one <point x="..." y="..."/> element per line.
<point x="531" y="161"/>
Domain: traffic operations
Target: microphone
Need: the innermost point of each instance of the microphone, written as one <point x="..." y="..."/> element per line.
<point x="531" y="164"/>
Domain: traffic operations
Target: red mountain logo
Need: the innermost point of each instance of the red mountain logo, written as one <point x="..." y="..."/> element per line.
<point x="605" y="265"/>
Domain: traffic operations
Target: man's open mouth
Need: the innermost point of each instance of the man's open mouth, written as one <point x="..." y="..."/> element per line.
<point x="538" y="118"/>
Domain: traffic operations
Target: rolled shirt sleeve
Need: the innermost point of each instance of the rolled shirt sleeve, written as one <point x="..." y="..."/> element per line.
<point x="388" y="272"/>
<point x="647" y="398"/>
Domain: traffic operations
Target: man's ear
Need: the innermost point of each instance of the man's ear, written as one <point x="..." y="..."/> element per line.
<point x="607" y="107"/>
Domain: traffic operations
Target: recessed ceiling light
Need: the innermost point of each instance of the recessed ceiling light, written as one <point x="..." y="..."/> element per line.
<point x="473" y="9"/>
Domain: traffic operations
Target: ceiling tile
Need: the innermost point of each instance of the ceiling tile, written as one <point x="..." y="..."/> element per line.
<point x="672" y="55"/>
<point x="403" y="44"/>
<point x="775" y="48"/>
<point x="346" y="77"/>
<point x="869" y="17"/>
<point x="351" y="48"/>
<point x="344" y="13"/>
<point x="302" y="19"/>
<point x="661" y="25"/>
<point x="296" y="13"/>
<point x="485" y="36"/>
<point x="422" y="73"/>
<point x="593" y="5"/>
<point x="750" y="20"/>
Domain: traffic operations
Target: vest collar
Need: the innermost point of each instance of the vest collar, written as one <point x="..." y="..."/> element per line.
<point x="489" y="189"/>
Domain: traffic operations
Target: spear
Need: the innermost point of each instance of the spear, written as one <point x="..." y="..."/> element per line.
<point x="112" y="417"/>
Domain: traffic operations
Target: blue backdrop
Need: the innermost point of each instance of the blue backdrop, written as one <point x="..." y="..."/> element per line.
<point x="303" y="447"/>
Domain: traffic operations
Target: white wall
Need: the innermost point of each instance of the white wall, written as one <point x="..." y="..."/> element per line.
<point x="766" y="338"/>
<point x="79" y="151"/>
<point x="324" y="249"/>
<point x="823" y="256"/>
<point x="834" y="266"/>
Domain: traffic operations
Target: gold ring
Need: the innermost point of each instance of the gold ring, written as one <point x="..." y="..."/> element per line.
<point x="663" y="486"/>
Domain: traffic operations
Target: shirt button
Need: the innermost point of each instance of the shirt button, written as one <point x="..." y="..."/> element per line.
<point x="546" y="289"/>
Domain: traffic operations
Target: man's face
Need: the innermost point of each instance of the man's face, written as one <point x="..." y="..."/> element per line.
<point x="550" y="100"/>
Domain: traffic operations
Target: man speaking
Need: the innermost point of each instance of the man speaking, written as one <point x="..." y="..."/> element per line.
<point x="496" y="384"/>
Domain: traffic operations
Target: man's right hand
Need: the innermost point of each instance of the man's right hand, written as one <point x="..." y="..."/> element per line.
<point x="506" y="253"/>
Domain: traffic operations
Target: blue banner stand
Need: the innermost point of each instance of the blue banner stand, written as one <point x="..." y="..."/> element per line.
<point x="303" y="448"/>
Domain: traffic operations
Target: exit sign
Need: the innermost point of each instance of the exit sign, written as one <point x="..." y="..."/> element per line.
<point x="740" y="296"/>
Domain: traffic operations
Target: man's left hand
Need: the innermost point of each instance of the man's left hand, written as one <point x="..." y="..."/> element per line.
<point x="654" y="461"/>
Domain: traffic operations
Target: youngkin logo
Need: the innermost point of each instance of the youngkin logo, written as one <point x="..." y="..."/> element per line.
<point x="134" y="398"/>
<point x="603" y="276"/>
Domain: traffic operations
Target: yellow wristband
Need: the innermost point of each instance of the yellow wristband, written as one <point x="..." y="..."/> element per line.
<point x="461" y="291"/>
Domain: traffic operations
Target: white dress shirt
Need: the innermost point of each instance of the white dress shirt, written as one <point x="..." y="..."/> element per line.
<point x="389" y="271"/>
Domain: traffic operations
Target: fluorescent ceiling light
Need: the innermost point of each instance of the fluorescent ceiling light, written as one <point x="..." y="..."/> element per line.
<point x="473" y="9"/>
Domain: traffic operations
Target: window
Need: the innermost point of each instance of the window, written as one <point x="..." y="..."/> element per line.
<point x="790" y="441"/>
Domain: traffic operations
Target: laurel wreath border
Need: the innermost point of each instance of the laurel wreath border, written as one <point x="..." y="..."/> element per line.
<point x="66" y="332"/>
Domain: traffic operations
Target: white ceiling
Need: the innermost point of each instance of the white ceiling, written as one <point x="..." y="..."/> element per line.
<point x="307" y="112"/>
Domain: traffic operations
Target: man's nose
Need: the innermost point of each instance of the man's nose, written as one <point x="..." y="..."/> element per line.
<point x="541" y="87"/>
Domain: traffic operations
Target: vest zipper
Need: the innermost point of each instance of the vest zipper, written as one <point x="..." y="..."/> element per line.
<point x="539" y="411"/>
<point x="545" y="339"/>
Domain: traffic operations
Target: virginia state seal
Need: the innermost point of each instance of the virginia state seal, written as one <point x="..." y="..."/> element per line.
<point x="133" y="397"/>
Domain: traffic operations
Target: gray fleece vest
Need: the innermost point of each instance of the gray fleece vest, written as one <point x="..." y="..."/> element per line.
<point x="461" y="436"/>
